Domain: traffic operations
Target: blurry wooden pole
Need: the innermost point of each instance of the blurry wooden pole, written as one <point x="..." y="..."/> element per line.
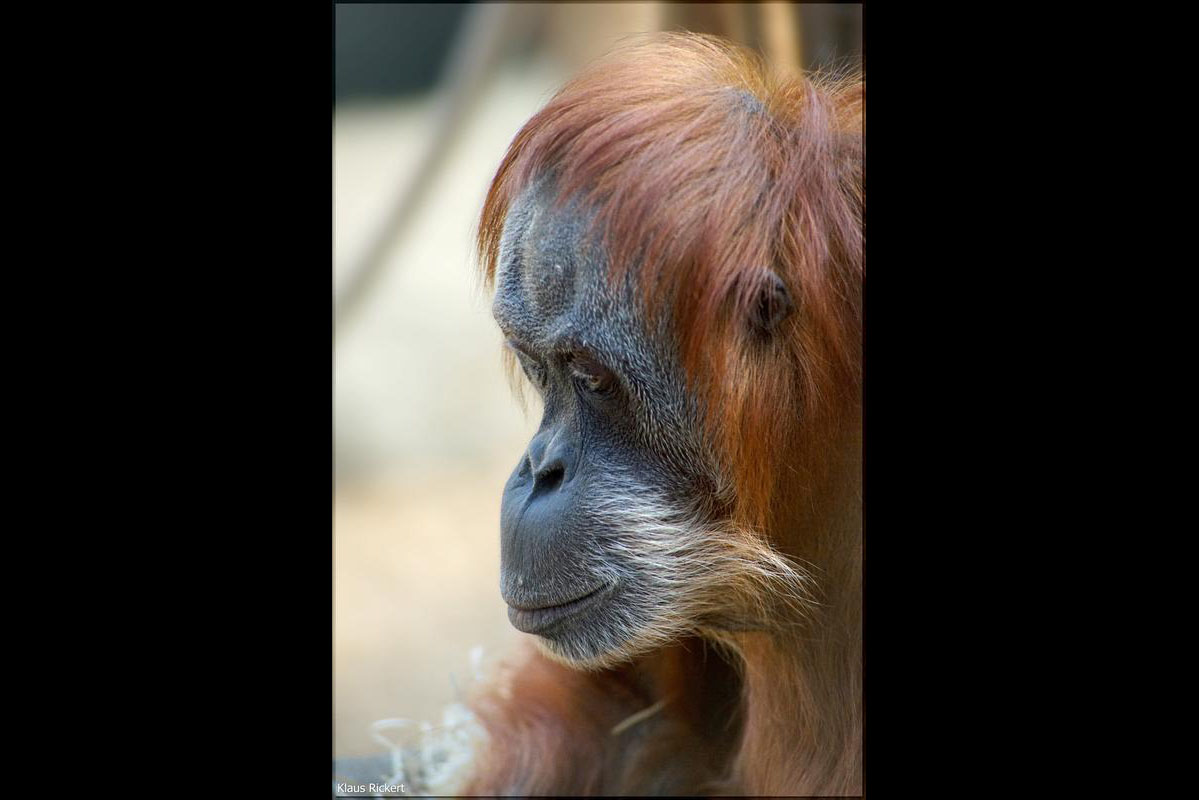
<point x="773" y="28"/>
<point x="578" y="33"/>
<point x="781" y="40"/>
<point x="468" y="66"/>
<point x="732" y="21"/>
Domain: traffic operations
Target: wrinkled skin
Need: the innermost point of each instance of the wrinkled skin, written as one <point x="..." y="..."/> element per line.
<point x="618" y="458"/>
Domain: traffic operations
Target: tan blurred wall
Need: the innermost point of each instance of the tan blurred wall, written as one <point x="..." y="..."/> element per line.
<point x="426" y="427"/>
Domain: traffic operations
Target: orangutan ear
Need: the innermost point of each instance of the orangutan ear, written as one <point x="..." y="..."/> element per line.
<point x="771" y="302"/>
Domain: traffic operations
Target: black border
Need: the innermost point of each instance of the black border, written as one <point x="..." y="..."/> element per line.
<point x="245" y="427"/>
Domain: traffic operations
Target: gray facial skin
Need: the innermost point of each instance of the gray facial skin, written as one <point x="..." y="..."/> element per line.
<point x="595" y="517"/>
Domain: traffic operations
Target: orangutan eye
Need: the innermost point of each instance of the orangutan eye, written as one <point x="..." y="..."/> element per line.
<point x="591" y="376"/>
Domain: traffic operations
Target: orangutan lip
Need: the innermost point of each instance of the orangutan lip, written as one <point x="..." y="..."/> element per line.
<point x="537" y="620"/>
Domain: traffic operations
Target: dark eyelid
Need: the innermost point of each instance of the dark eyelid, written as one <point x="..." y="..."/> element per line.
<point x="570" y="352"/>
<point x="577" y="354"/>
<point x="588" y="364"/>
<point x="572" y="349"/>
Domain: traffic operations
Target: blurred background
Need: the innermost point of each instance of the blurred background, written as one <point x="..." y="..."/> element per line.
<point x="427" y="98"/>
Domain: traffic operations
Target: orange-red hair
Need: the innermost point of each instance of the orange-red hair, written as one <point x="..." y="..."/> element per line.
<point x="706" y="174"/>
<point x="703" y="169"/>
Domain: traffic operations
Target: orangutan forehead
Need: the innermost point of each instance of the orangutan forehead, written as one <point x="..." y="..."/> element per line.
<point x="550" y="281"/>
<point x="554" y="295"/>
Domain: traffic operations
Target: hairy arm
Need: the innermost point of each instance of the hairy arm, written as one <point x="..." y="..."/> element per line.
<point x="556" y="730"/>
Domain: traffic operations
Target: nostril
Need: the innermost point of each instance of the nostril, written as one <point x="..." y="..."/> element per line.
<point x="549" y="478"/>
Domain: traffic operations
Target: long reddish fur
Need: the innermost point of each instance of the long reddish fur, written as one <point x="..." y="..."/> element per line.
<point x="703" y="169"/>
